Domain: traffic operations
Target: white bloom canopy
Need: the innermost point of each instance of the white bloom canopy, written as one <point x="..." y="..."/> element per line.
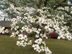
<point x="37" y="21"/>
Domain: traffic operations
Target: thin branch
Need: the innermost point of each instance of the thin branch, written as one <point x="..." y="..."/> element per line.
<point x="40" y="1"/>
<point x="45" y="3"/>
<point x="60" y="4"/>
<point x="65" y="12"/>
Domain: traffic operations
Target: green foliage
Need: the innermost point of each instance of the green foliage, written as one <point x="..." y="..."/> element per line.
<point x="70" y="1"/>
<point x="32" y="34"/>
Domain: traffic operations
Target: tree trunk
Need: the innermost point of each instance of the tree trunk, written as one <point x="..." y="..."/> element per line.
<point x="40" y="1"/>
<point x="45" y="3"/>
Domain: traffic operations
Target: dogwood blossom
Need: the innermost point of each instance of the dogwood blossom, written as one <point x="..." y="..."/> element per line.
<point x="38" y="41"/>
<point x="3" y="30"/>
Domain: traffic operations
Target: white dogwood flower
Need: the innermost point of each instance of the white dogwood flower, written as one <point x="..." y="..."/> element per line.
<point x="42" y="48"/>
<point x="38" y="41"/>
<point x="19" y="43"/>
<point x="37" y="35"/>
<point x="24" y="44"/>
<point x="16" y="27"/>
<point x="13" y="35"/>
<point x="25" y="37"/>
<point x="6" y="31"/>
<point x="69" y="37"/>
<point x="30" y="42"/>
<point x="35" y="46"/>
<point x="38" y="50"/>
<point x="47" y="51"/>
<point x="20" y="36"/>
<point x="38" y="31"/>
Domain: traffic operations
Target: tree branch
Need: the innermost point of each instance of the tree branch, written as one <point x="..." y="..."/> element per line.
<point x="40" y="1"/>
<point x="45" y="3"/>
<point x="65" y="12"/>
<point x="60" y="4"/>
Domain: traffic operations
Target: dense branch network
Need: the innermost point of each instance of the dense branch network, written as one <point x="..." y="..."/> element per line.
<point x="60" y="4"/>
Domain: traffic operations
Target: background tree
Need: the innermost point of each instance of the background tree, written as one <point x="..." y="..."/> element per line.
<point x="54" y="4"/>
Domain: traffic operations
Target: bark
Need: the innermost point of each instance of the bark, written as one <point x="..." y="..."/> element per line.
<point x="45" y="3"/>
<point x="40" y="1"/>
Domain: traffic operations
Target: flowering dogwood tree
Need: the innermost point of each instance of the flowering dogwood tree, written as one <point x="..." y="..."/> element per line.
<point x="40" y="22"/>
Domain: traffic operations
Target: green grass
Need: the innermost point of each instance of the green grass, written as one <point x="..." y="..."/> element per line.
<point x="8" y="46"/>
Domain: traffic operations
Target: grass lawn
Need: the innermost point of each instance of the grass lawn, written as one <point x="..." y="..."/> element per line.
<point x="8" y="46"/>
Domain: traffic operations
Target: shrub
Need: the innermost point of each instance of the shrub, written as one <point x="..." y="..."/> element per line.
<point x="54" y="35"/>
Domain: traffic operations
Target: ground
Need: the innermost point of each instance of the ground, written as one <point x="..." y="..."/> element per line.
<point x="8" y="46"/>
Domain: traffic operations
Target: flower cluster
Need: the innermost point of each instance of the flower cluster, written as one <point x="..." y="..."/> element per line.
<point x="3" y="30"/>
<point x="40" y="46"/>
<point x="38" y="21"/>
<point x="23" y="40"/>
